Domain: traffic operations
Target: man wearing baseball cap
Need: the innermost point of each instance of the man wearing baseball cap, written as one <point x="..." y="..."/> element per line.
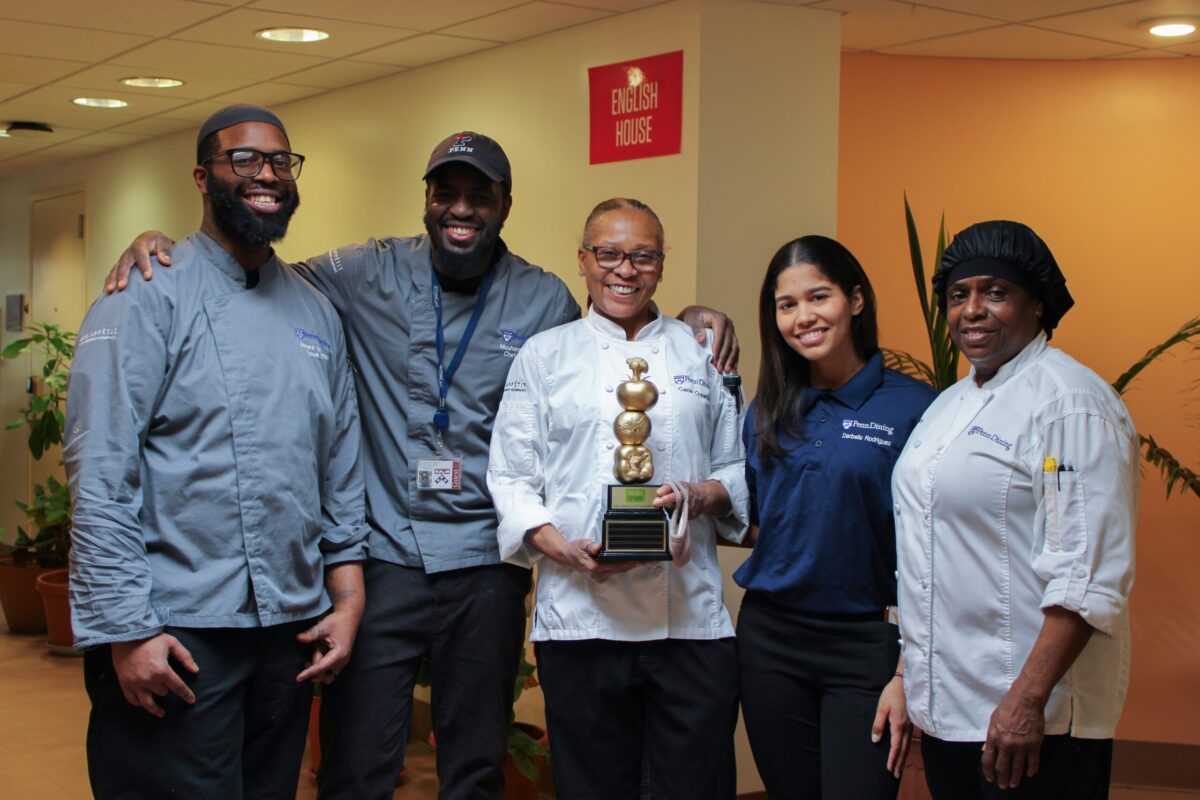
<point x="212" y="451"/>
<point x="433" y="323"/>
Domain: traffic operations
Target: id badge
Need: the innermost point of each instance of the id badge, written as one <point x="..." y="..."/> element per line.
<point x="439" y="474"/>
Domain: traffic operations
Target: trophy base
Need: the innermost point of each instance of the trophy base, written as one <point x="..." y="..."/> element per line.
<point x="634" y="530"/>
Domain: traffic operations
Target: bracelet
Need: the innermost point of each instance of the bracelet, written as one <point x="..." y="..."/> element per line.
<point x="899" y="674"/>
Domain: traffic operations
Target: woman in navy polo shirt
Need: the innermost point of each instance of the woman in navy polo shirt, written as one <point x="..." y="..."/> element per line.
<point x="819" y="659"/>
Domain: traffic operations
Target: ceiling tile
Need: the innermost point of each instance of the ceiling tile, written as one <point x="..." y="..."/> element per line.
<point x="68" y="116"/>
<point x="195" y="113"/>
<point x="420" y="14"/>
<point x="526" y="21"/>
<point x="196" y="85"/>
<point x="1143" y="54"/>
<point x="36" y="70"/>
<point x="337" y="74"/>
<point x="212" y="59"/>
<point x="268" y="94"/>
<point x="7" y="90"/>
<point x="15" y="147"/>
<point x="107" y="139"/>
<point x="154" y="126"/>
<point x="1186" y="49"/>
<point x="1009" y="41"/>
<point x="1016" y="10"/>
<point x="426" y="48"/>
<point x="12" y="166"/>
<point x="35" y="39"/>
<point x="619" y="6"/>
<point x="139" y="105"/>
<point x="238" y="27"/>
<point x="1120" y="23"/>
<point x="875" y="24"/>
<point x="144" y="17"/>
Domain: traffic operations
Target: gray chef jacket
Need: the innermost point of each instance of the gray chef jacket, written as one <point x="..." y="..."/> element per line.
<point x="212" y="451"/>
<point x="381" y="289"/>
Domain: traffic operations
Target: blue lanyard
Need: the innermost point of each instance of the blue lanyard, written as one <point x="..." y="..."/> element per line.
<point x="441" y="417"/>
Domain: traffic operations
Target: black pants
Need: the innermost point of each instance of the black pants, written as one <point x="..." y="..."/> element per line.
<point x="471" y="622"/>
<point x="1069" y="769"/>
<point x="609" y="705"/>
<point x="243" y="738"/>
<point x="810" y="688"/>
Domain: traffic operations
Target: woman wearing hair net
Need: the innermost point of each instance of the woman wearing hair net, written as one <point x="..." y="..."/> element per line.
<point x="1016" y="499"/>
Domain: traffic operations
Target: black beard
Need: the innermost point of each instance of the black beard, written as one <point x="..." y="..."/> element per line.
<point x="457" y="264"/>
<point x="241" y="223"/>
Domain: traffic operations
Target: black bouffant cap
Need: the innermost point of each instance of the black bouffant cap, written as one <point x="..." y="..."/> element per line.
<point x="1008" y="250"/>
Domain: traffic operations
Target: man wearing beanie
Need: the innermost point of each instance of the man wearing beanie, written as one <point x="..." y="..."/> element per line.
<point x="432" y="323"/>
<point x="212" y="450"/>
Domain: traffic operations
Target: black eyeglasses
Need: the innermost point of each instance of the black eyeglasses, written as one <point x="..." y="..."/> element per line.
<point x="248" y="163"/>
<point x="611" y="257"/>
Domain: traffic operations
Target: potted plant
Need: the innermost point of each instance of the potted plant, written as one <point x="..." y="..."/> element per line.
<point x="33" y="559"/>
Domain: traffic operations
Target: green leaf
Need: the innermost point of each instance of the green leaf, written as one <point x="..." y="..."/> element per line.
<point x="908" y="364"/>
<point x="15" y="348"/>
<point x="1169" y="467"/>
<point x="1186" y="332"/>
<point x="914" y="250"/>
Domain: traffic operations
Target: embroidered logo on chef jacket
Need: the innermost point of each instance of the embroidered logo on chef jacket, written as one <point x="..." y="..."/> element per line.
<point x="991" y="437"/>
<point x="510" y="342"/>
<point x="516" y="386"/>
<point x="97" y="335"/>
<point x="313" y="345"/>
<point x="696" y="386"/>
<point x="873" y="432"/>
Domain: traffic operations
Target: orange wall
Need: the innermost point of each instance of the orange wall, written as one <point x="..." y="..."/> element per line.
<point x="1101" y="158"/>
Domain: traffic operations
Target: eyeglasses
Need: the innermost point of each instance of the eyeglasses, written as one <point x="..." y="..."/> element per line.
<point x="248" y="163"/>
<point x="611" y="258"/>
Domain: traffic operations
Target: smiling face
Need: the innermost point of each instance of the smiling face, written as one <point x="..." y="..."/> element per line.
<point x="464" y="212"/>
<point x="991" y="320"/>
<point x="622" y="294"/>
<point x="249" y="211"/>
<point x="813" y="315"/>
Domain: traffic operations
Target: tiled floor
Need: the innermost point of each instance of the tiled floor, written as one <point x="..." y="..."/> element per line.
<point x="43" y="717"/>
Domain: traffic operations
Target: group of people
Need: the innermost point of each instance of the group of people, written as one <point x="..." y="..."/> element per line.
<point x="962" y="561"/>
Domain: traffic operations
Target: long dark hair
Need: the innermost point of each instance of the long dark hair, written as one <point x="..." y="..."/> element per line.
<point x="784" y="375"/>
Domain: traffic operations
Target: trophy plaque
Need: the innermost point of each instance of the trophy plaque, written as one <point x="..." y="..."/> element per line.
<point x="634" y="529"/>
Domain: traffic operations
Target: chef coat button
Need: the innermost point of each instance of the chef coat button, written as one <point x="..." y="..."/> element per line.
<point x="660" y="447"/>
<point x="818" y="443"/>
<point x="927" y="514"/>
<point x="609" y="445"/>
<point x="654" y="350"/>
<point x="604" y="346"/>
<point x="916" y="444"/>
<point x="924" y="585"/>
<point x="608" y="388"/>
<point x="897" y="507"/>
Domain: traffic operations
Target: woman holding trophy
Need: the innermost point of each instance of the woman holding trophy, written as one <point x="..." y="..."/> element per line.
<point x="615" y="463"/>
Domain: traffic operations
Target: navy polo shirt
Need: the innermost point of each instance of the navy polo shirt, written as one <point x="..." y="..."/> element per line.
<point x="826" y="541"/>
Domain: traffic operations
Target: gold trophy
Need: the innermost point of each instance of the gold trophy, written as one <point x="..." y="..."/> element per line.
<point x="634" y="530"/>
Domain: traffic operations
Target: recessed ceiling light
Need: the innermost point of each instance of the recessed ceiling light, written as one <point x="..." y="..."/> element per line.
<point x="1173" y="26"/>
<point x="19" y="129"/>
<point x="152" y="83"/>
<point x="99" y="102"/>
<point x="292" y="35"/>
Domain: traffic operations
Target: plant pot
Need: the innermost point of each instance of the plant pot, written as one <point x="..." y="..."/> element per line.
<point x="516" y="785"/>
<point x="19" y="597"/>
<point x="53" y="585"/>
<point x="314" y="736"/>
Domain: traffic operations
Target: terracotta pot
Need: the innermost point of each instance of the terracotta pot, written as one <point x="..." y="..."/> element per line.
<point x="52" y="585"/>
<point x="314" y="736"/>
<point x="19" y="597"/>
<point x="516" y="785"/>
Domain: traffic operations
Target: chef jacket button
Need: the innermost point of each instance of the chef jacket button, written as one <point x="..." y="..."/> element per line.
<point x="916" y="444"/>
<point x="927" y="514"/>
<point x="897" y="507"/>
<point x="660" y="447"/>
<point x="608" y="388"/>
<point x="609" y="445"/>
<point x="604" y="346"/>
<point x="654" y="350"/>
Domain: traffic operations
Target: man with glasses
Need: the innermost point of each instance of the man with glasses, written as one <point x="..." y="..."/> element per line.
<point x="433" y="323"/>
<point x="213" y="454"/>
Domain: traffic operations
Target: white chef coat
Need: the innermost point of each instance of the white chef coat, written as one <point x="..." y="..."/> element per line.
<point x="987" y="538"/>
<point x="552" y="459"/>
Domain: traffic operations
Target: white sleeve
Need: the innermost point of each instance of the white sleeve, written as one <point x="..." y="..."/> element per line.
<point x="514" y="477"/>
<point x="727" y="459"/>
<point x="1086" y="515"/>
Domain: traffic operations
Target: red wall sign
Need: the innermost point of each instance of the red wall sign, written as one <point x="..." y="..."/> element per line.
<point x="636" y="108"/>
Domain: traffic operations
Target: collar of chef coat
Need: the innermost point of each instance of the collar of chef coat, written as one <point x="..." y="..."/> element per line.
<point x="854" y="392"/>
<point x="1027" y="356"/>
<point x="222" y="260"/>
<point x="611" y="330"/>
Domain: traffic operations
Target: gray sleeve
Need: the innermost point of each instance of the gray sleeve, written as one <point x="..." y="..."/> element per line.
<point x="116" y="378"/>
<point x="337" y="273"/>
<point x="343" y="507"/>
<point x="570" y="309"/>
